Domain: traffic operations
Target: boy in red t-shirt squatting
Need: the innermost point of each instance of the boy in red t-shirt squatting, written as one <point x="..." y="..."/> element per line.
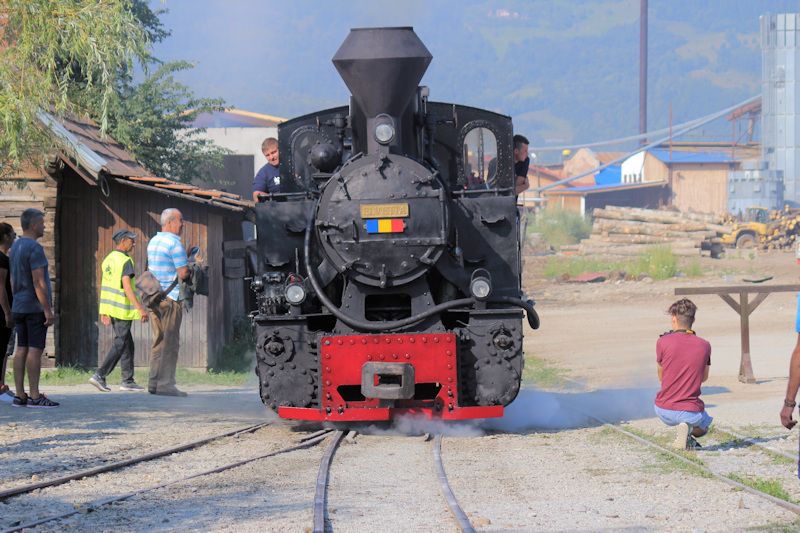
<point x="683" y="362"/>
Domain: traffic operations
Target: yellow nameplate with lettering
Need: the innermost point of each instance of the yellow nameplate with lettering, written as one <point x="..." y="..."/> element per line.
<point x="384" y="210"/>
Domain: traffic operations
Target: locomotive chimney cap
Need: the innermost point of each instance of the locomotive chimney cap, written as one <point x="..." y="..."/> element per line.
<point x="382" y="67"/>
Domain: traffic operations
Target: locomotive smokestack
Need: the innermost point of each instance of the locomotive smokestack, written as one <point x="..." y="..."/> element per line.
<point x="382" y="68"/>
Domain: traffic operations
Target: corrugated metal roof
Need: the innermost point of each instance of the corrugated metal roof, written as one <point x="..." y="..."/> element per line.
<point x="91" y="153"/>
<point x="235" y="118"/>
<point x="117" y="161"/>
<point x="690" y="157"/>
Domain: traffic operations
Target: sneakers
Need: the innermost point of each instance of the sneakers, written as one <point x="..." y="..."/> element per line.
<point x="681" y="436"/>
<point x="42" y="402"/>
<point x="131" y="387"/>
<point x="19" y="402"/>
<point x="100" y="383"/>
<point x="6" y="395"/>
<point x="692" y="444"/>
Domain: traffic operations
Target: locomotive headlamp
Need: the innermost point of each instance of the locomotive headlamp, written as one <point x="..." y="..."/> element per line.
<point x="295" y="293"/>
<point x="481" y="284"/>
<point x="384" y="129"/>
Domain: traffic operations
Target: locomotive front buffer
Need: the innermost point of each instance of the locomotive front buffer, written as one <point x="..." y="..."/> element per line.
<point x="378" y="377"/>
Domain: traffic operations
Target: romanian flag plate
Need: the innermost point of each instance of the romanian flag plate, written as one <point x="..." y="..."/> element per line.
<point x="385" y="225"/>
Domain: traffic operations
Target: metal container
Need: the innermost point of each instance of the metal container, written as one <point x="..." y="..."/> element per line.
<point x="755" y="188"/>
<point x="780" y="118"/>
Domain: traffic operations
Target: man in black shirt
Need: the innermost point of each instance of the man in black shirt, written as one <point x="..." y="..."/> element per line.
<point x="521" y="164"/>
<point x="7" y="236"/>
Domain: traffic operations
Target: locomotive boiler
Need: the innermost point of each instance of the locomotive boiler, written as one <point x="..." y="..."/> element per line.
<point x="387" y="269"/>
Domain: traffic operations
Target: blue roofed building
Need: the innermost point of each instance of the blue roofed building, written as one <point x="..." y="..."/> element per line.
<point x="694" y="181"/>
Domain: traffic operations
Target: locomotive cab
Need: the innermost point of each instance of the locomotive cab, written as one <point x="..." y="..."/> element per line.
<point x="388" y="268"/>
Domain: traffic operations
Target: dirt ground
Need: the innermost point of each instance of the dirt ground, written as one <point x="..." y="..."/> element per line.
<point x="544" y="467"/>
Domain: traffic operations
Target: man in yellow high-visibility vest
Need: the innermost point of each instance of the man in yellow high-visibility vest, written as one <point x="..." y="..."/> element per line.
<point x="119" y="307"/>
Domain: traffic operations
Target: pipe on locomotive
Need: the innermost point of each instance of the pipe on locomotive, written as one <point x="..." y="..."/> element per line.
<point x="532" y="315"/>
<point x="361" y="324"/>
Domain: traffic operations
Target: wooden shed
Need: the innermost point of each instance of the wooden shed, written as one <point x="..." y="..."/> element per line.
<point x="698" y="181"/>
<point x="95" y="188"/>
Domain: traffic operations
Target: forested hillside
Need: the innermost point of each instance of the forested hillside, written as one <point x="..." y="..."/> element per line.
<point x="564" y="70"/>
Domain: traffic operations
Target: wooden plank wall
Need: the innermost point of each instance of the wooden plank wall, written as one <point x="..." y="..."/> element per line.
<point x="33" y="187"/>
<point x="88" y="221"/>
<point x="701" y="188"/>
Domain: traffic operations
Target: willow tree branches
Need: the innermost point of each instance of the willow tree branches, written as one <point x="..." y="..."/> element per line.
<point x="53" y="53"/>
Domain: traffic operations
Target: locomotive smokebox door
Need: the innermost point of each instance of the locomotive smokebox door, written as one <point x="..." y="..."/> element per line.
<point x="387" y="381"/>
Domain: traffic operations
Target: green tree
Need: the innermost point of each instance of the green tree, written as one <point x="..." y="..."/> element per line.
<point x="44" y="44"/>
<point x="78" y="57"/>
<point x="153" y="118"/>
<point x="152" y="121"/>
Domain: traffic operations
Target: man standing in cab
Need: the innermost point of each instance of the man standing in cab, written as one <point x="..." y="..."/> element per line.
<point x="268" y="179"/>
<point x="119" y="307"/>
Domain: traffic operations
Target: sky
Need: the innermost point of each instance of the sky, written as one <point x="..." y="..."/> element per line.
<point x="565" y="71"/>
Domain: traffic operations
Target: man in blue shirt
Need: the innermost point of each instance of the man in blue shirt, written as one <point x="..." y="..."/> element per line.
<point x="30" y="284"/>
<point x="268" y="179"/>
<point x="166" y="259"/>
<point x="789" y="401"/>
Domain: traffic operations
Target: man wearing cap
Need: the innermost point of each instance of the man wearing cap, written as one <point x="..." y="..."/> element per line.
<point x="119" y="307"/>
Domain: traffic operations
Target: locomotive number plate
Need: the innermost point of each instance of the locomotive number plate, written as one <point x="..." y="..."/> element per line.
<point x="384" y="210"/>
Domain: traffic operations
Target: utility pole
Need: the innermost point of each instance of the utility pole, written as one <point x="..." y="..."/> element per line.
<point x="643" y="69"/>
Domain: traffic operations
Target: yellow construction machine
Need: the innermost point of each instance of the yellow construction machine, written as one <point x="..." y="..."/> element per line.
<point x="763" y="228"/>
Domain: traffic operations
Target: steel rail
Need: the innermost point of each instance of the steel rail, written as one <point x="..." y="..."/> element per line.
<point x="755" y="442"/>
<point x="749" y="440"/>
<point x="720" y="477"/>
<point x="24" y="489"/>
<point x="93" y="506"/>
<point x="447" y="492"/>
<point x="322" y="483"/>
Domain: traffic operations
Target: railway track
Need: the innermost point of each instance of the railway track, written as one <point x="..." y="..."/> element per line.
<point x="793" y="507"/>
<point x="320" y="497"/>
<point x="720" y="477"/>
<point x="305" y="442"/>
<point x="758" y="443"/>
<point x="447" y="492"/>
<point x="89" y="472"/>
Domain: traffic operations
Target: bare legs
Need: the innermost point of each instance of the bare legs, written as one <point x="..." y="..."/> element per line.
<point x="30" y="359"/>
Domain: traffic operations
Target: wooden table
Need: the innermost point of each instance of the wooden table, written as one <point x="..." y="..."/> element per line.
<point x="743" y="307"/>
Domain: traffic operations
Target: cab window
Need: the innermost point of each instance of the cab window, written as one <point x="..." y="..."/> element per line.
<point x="480" y="159"/>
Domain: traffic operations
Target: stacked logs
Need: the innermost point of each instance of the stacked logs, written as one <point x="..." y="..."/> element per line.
<point x="783" y="231"/>
<point x="630" y="231"/>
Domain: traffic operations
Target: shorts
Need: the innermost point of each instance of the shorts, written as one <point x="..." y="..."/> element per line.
<point x="31" y="331"/>
<point x="673" y="418"/>
<point x="5" y="337"/>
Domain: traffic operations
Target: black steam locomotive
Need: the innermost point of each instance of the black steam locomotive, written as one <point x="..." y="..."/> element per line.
<point x="388" y="267"/>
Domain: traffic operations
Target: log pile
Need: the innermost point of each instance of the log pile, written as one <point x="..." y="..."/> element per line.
<point x="629" y="231"/>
